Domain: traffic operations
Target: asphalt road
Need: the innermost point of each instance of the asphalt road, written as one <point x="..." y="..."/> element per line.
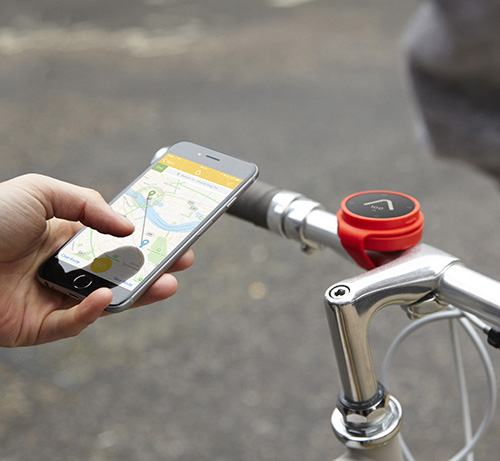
<point x="239" y="364"/>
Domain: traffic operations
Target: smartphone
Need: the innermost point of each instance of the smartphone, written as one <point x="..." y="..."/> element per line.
<point x="171" y="204"/>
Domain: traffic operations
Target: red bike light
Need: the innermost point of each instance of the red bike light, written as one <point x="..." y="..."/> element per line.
<point x="380" y="221"/>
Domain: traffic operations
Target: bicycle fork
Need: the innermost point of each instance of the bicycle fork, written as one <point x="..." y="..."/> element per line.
<point x="367" y="418"/>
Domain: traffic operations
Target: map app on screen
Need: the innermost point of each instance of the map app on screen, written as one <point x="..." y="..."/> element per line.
<point x="165" y="205"/>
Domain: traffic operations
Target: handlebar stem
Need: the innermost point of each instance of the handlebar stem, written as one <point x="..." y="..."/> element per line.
<point x="351" y="305"/>
<point x="366" y="414"/>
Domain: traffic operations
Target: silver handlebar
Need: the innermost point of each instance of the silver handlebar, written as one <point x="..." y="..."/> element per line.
<point x="298" y="218"/>
<point x="471" y="292"/>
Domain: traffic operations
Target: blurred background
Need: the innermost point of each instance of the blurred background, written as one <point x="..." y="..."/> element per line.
<point x="239" y="364"/>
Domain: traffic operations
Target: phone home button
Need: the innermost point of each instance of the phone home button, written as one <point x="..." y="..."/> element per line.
<point x="82" y="281"/>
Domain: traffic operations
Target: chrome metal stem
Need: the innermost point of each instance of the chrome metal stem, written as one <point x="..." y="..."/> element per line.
<point x="351" y="305"/>
<point x="366" y="415"/>
<point x="422" y="280"/>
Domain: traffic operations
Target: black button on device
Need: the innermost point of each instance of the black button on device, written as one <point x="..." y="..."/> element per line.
<point x="82" y="281"/>
<point x="380" y="205"/>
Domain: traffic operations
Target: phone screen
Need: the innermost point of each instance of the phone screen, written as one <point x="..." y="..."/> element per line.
<point x="166" y="204"/>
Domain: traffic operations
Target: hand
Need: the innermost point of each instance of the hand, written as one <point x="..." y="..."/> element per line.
<point x="37" y="215"/>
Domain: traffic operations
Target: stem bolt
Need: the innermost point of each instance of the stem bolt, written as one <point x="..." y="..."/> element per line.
<point x="339" y="291"/>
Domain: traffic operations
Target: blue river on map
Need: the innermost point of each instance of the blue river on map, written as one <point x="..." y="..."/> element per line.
<point x="156" y="219"/>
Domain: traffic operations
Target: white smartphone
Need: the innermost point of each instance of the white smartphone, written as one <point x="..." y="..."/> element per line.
<point x="171" y="204"/>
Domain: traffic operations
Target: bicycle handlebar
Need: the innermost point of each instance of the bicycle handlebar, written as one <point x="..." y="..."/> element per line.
<point x="291" y="215"/>
<point x="471" y="292"/>
<point x="253" y="205"/>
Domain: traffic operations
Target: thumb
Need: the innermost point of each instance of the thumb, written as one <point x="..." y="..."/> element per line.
<point x="66" y="323"/>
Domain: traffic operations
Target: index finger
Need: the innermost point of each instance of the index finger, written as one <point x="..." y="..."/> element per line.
<point x="74" y="203"/>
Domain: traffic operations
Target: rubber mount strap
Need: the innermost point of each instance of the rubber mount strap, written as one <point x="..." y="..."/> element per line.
<point x="381" y="221"/>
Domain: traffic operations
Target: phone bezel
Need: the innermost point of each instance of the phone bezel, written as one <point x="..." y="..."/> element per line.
<point x="56" y="273"/>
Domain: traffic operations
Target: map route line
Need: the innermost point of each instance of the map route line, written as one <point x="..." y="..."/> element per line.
<point x="176" y="186"/>
<point x="148" y="199"/>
